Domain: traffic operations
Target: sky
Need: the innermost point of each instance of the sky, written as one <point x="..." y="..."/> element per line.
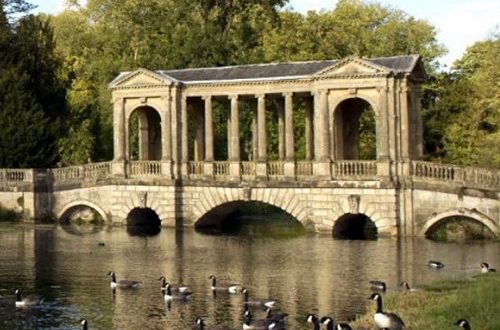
<point x="459" y="23"/>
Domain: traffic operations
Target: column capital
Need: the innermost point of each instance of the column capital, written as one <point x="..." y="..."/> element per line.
<point x="287" y="94"/>
<point x="207" y="97"/>
<point x="260" y="96"/>
<point x="233" y="96"/>
<point x="117" y="99"/>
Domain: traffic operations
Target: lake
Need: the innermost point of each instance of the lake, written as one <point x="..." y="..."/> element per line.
<point x="304" y="273"/>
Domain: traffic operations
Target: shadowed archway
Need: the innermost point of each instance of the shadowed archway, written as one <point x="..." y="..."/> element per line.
<point x="143" y="221"/>
<point x="355" y="226"/>
<point x="458" y="228"/>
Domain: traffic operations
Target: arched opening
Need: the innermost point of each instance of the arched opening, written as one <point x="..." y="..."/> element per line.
<point x="458" y="228"/>
<point x="355" y="226"/>
<point x="254" y="219"/>
<point x="354" y="130"/>
<point x="81" y="219"/>
<point x="144" y="129"/>
<point x="143" y="221"/>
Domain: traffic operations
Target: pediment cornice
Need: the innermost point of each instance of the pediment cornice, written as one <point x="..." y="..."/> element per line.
<point x="141" y="78"/>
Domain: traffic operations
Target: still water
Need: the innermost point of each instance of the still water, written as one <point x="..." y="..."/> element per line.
<point x="308" y="273"/>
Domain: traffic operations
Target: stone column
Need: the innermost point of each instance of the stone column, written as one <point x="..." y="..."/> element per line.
<point x="289" y="166"/>
<point x="281" y="129"/>
<point x="184" y="137"/>
<point x="321" y="166"/>
<point x="405" y="129"/>
<point x="199" y="145"/>
<point x="208" y="166"/>
<point x="309" y="127"/>
<point x="382" y="138"/>
<point x="234" y="166"/>
<point x="118" y="168"/>
<point x="254" y="136"/>
<point x="166" y="136"/>
<point x="261" y="166"/>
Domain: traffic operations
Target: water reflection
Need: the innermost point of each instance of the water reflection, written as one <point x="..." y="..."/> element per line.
<point x="309" y="273"/>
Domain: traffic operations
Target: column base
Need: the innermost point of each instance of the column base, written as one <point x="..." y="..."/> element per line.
<point x="184" y="170"/>
<point x="208" y="169"/>
<point x="235" y="171"/>
<point x="118" y="169"/>
<point x="322" y="170"/>
<point x="289" y="169"/>
<point x="167" y="168"/>
<point x="261" y="170"/>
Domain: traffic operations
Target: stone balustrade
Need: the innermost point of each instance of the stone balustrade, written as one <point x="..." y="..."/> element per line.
<point x="275" y="168"/>
<point x="16" y="175"/>
<point x="365" y="169"/>
<point x="304" y="168"/>
<point x="221" y="169"/>
<point x="144" y="168"/>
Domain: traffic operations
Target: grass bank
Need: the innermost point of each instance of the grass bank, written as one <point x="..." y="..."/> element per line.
<point x="439" y="305"/>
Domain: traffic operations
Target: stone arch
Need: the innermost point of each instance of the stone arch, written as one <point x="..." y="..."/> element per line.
<point x="355" y="226"/>
<point x="86" y="203"/>
<point x="345" y="122"/>
<point x="462" y="212"/>
<point x="283" y="199"/>
<point x="149" y="132"/>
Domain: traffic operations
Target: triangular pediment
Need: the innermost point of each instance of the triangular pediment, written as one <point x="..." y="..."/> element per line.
<point x="353" y="66"/>
<point x="141" y="78"/>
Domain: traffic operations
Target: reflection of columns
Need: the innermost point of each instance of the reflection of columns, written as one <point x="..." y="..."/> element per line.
<point x="309" y="128"/>
<point x="209" y="131"/>
<point x="166" y="133"/>
<point x="281" y="129"/>
<point x="321" y="127"/>
<point x="119" y="130"/>
<point x="235" y="129"/>
<point x="261" y="128"/>
<point x="289" y="140"/>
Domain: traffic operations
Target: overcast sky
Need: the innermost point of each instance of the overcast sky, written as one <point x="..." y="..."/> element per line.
<point x="459" y="23"/>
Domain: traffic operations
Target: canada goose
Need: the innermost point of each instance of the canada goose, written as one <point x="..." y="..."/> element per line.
<point x="231" y="288"/>
<point x="407" y="287"/>
<point x="435" y="264"/>
<point x="173" y="287"/>
<point x="28" y="301"/>
<point x="485" y="268"/>
<point x="463" y="323"/>
<point x="123" y="284"/>
<point x="312" y="318"/>
<point x="390" y="321"/>
<point x="200" y="325"/>
<point x="263" y="324"/>
<point x="330" y="324"/>
<point x="84" y="324"/>
<point x="257" y="302"/>
<point x="179" y="295"/>
<point x="276" y="317"/>
<point x="378" y="285"/>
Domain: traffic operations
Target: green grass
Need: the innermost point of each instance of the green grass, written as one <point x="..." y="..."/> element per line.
<point x="439" y="305"/>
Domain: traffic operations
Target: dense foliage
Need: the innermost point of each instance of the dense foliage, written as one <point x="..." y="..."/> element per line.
<point x="97" y="39"/>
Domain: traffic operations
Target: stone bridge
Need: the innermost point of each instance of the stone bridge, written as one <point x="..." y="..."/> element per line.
<point x="194" y="142"/>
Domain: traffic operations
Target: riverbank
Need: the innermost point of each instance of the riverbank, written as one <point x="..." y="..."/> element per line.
<point x="439" y="305"/>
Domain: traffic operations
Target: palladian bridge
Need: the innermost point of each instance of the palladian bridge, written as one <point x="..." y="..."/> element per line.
<point x="170" y="161"/>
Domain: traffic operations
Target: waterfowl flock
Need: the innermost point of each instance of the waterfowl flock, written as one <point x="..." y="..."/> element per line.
<point x="273" y="319"/>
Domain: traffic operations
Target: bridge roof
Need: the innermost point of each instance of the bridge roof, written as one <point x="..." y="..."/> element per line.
<point x="270" y="71"/>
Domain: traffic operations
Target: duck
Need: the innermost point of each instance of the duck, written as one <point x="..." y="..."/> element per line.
<point x="313" y="318"/>
<point x="200" y="325"/>
<point x="263" y="324"/>
<point x="378" y="285"/>
<point x="435" y="264"/>
<point x="84" y="324"/>
<point x="123" y="284"/>
<point x="28" y="301"/>
<point x="230" y="288"/>
<point x="173" y="287"/>
<point x="485" y="268"/>
<point x="256" y="302"/>
<point x="168" y="294"/>
<point x="390" y="321"/>
<point x="407" y="287"/>
<point x="463" y="323"/>
<point x="330" y="324"/>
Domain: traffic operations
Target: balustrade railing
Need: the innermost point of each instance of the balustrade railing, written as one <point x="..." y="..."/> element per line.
<point x="248" y="169"/>
<point x="275" y="168"/>
<point x="16" y="175"/>
<point x="195" y="168"/>
<point x="304" y="168"/>
<point x="67" y="174"/>
<point x="144" y="168"/>
<point x="96" y="171"/>
<point x="221" y="169"/>
<point x="354" y="168"/>
<point x="443" y="172"/>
